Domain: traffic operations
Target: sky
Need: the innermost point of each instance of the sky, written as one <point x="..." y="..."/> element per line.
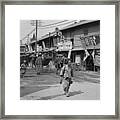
<point x="44" y="26"/>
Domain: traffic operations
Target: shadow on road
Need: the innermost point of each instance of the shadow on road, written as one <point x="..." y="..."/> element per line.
<point x="75" y="93"/>
<point x="50" y="97"/>
<point x="54" y="96"/>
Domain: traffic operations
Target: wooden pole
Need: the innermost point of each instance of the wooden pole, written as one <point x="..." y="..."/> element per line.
<point x="36" y="37"/>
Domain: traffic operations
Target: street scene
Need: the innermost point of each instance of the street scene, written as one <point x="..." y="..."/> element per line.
<point x="59" y="60"/>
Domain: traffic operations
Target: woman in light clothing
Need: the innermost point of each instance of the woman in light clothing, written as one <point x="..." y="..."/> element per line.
<point x="66" y="76"/>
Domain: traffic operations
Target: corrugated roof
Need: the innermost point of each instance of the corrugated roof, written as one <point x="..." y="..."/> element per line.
<point x="78" y="23"/>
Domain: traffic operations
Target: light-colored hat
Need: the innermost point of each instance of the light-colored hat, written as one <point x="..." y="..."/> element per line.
<point x="24" y="61"/>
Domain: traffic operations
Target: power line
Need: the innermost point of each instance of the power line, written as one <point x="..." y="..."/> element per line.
<point x="57" y="25"/>
<point x="28" y="34"/>
<point x="54" y="23"/>
<point x="50" y="25"/>
<point x="44" y="28"/>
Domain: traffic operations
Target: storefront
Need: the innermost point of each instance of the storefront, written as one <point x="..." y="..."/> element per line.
<point x="87" y="50"/>
<point x="64" y="47"/>
<point x="79" y="37"/>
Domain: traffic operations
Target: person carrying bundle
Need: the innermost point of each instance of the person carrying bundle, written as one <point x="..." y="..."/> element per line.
<point x="66" y="74"/>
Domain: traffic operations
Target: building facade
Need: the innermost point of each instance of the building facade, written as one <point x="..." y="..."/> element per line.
<point x="84" y="36"/>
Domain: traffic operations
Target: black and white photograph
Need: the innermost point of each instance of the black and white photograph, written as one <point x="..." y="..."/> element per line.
<point x="60" y="59"/>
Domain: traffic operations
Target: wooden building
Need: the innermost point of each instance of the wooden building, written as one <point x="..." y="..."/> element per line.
<point x="84" y="35"/>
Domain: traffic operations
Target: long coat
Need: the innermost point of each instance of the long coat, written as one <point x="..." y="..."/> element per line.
<point x="38" y="64"/>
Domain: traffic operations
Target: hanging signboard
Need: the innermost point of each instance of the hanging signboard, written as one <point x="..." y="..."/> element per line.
<point x="65" y="45"/>
<point x="77" y="59"/>
<point x="86" y="41"/>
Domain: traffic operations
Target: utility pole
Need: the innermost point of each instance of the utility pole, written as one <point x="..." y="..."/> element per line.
<point x="35" y="23"/>
<point x="36" y="37"/>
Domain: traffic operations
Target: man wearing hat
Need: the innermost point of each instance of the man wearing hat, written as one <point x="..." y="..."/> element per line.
<point x="66" y="76"/>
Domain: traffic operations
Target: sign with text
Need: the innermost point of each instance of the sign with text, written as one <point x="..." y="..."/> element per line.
<point x="86" y="41"/>
<point x="65" y="45"/>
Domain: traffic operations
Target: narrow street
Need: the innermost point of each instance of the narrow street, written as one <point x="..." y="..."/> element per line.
<point x="76" y="40"/>
<point x="86" y="86"/>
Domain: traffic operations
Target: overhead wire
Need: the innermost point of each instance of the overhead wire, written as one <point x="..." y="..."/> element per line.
<point x="50" y="26"/>
<point x="53" y="23"/>
<point x="57" y="25"/>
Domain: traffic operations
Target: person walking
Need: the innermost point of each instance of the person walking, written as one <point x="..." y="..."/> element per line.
<point x="38" y="64"/>
<point x="57" y="65"/>
<point x="32" y="61"/>
<point x="66" y="74"/>
<point x="23" y="68"/>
